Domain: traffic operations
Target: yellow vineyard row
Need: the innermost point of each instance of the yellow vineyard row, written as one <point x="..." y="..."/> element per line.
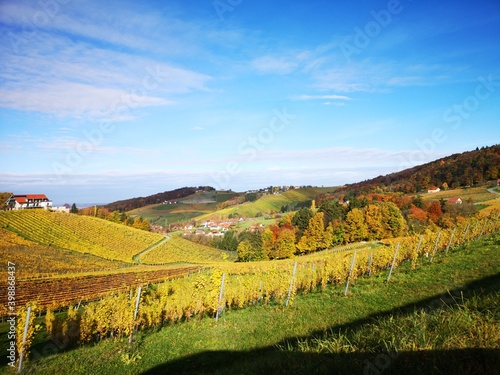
<point x="247" y="284"/>
<point x="178" y="249"/>
<point x="79" y="233"/>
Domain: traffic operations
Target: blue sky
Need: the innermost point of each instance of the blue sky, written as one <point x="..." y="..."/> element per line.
<point x="101" y="101"/>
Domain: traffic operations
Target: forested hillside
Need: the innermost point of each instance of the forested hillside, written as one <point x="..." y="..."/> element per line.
<point x="130" y="204"/>
<point x="458" y="170"/>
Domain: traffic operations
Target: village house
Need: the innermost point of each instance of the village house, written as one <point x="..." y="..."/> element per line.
<point x="455" y="200"/>
<point x="26" y="201"/>
<point x="64" y="208"/>
<point x="433" y="189"/>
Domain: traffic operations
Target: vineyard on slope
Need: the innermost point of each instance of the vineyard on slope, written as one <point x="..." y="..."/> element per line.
<point x="59" y="292"/>
<point x="79" y="233"/>
<point x="180" y="250"/>
<point x="35" y="260"/>
<point x="248" y="284"/>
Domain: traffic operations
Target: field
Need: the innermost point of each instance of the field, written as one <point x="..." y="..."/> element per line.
<point x="180" y="250"/>
<point x="441" y="317"/>
<point x="61" y="291"/>
<point x="268" y="203"/>
<point x="172" y="213"/>
<point x="206" y="205"/>
<point x="184" y="209"/>
<point x="185" y="282"/>
<point x="35" y="260"/>
<point x="61" y="259"/>
<point x="79" y="233"/>
<point x="477" y="194"/>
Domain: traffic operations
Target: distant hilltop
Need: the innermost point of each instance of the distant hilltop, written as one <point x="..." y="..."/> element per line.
<point x="133" y="203"/>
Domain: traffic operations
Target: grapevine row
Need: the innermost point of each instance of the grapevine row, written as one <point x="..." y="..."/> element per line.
<point x="178" y="249"/>
<point x="79" y="233"/>
<point x="64" y="291"/>
<point x="184" y="298"/>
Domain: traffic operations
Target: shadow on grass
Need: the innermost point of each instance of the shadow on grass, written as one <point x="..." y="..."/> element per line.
<point x="272" y="360"/>
<point x="268" y="361"/>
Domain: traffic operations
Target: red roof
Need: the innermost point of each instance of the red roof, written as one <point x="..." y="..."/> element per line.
<point x="36" y="196"/>
<point x="24" y="198"/>
<point x="454" y="200"/>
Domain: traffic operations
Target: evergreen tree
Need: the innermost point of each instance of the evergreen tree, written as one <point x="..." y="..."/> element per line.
<point x="74" y="209"/>
<point x="333" y="210"/>
<point x="229" y="241"/>
<point x="301" y="220"/>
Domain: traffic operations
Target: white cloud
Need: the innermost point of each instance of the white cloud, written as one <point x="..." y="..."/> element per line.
<point x="47" y="71"/>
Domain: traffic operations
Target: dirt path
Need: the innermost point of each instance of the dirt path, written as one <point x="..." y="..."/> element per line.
<point x="492" y="190"/>
<point x="137" y="257"/>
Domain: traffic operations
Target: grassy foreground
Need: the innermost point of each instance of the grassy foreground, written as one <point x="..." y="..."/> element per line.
<point x="441" y="318"/>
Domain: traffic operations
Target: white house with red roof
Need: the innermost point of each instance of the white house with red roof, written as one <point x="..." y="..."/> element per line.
<point x="25" y="201"/>
<point x="455" y="200"/>
<point x="433" y="189"/>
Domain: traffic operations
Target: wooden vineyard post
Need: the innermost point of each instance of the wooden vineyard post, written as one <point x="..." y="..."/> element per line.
<point x="474" y="230"/>
<point x="219" y="307"/>
<point x="261" y="294"/>
<point x="291" y="284"/>
<point x="350" y="273"/>
<point x="484" y="226"/>
<point x="137" y="301"/>
<point x="419" y="243"/>
<point x="26" y="326"/>
<point x="435" y="246"/>
<point x="370" y="261"/>
<point x="451" y="239"/>
<point x="393" y="261"/>
<point x="465" y="233"/>
<point x="139" y="289"/>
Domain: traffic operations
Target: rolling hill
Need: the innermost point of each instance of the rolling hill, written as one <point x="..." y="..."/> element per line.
<point x="82" y="234"/>
<point x="269" y="203"/>
<point x="458" y="170"/>
<point x="133" y="203"/>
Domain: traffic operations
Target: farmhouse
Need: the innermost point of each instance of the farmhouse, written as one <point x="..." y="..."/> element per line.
<point x="433" y="189"/>
<point x="455" y="200"/>
<point x="21" y="202"/>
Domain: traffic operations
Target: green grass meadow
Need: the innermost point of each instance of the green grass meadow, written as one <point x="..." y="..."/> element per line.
<point x="441" y="318"/>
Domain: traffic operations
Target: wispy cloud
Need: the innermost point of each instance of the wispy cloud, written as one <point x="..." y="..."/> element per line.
<point x="276" y="65"/>
<point x="59" y="76"/>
